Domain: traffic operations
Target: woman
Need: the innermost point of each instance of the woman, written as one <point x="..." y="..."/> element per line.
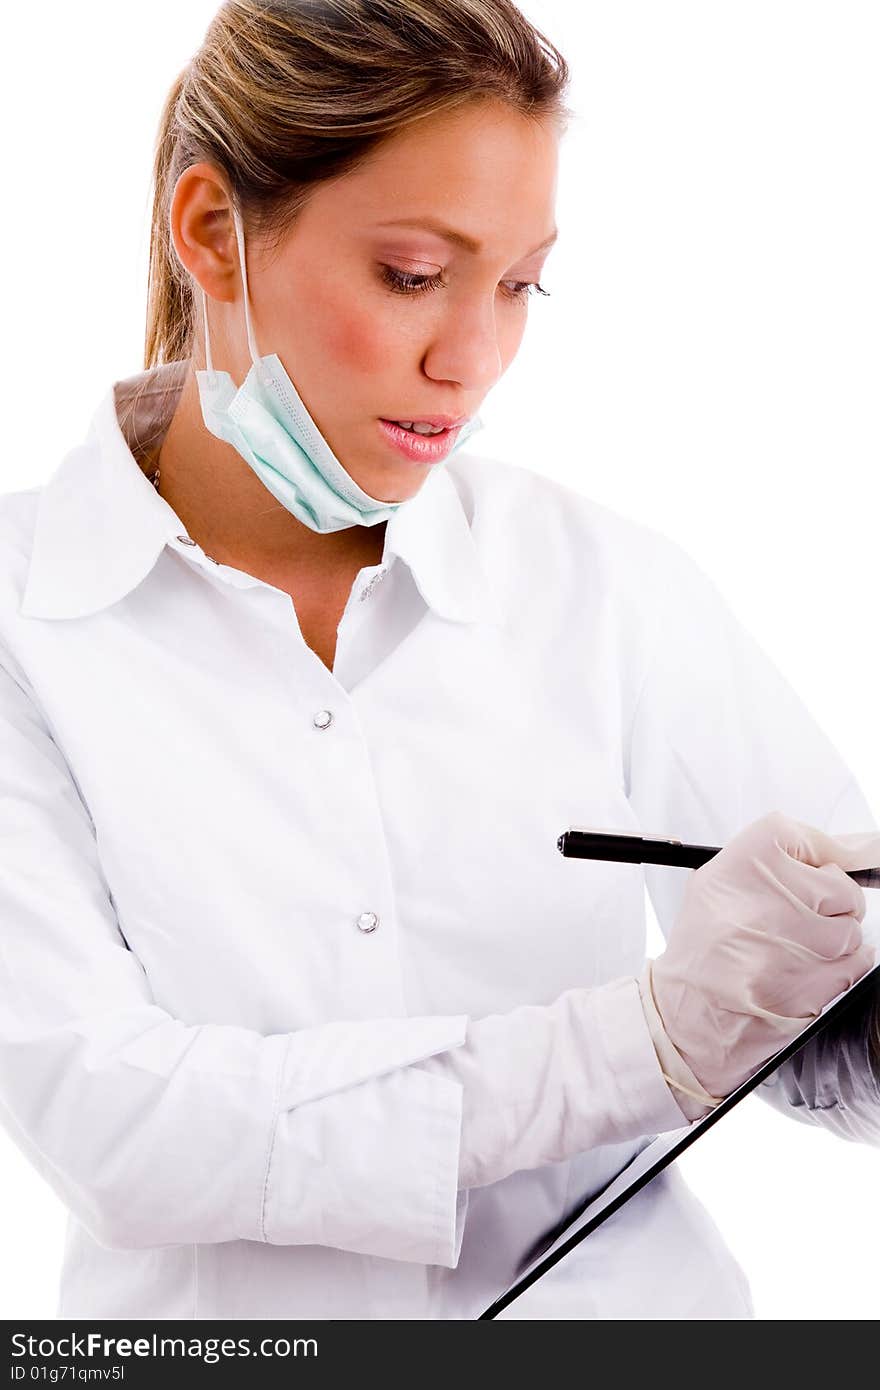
<point x="303" y="1014"/>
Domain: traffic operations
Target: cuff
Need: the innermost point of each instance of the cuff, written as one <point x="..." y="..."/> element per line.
<point x="691" y="1096"/>
<point x="373" y="1170"/>
<point x="343" y="1053"/>
<point x="630" y="1053"/>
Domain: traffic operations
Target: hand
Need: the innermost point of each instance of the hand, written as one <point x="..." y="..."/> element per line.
<point x="769" y="932"/>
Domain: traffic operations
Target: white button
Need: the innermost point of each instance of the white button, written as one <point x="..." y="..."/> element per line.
<point x="186" y="540"/>
<point x="368" y="921"/>
<point x="322" y="719"/>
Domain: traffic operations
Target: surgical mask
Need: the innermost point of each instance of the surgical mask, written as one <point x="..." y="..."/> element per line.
<point x="266" y="421"/>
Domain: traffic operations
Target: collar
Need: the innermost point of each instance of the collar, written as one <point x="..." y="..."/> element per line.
<point x="101" y="525"/>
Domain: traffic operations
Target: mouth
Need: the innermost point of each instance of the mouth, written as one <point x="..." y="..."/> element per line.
<point x="427" y="425"/>
<point x="428" y="444"/>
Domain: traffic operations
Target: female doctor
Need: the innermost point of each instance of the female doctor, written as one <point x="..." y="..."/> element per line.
<point x="302" y="1013"/>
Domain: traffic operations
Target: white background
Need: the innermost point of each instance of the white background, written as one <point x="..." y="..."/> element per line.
<point x="707" y="363"/>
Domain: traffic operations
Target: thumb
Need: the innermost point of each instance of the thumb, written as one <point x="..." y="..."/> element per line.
<point x="854" y="850"/>
<point x="858" y="850"/>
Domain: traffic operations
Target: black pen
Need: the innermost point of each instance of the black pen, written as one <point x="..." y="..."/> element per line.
<point x="625" y="848"/>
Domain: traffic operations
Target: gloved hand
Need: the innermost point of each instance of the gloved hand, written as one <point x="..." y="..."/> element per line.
<point x="769" y="932"/>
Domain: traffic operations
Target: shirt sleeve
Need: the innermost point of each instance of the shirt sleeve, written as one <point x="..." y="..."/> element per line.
<point x="543" y="1083"/>
<point x="363" y="1135"/>
<point x="718" y="739"/>
<point x="155" y="1132"/>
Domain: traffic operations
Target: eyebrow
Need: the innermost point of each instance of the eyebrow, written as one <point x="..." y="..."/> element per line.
<point x="457" y="238"/>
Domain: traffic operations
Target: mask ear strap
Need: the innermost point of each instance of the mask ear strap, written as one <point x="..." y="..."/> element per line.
<point x="252" y="342"/>
<point x="208" y="362"/>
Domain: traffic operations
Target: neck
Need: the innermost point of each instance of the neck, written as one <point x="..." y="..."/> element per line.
<point x="235" y="519"/>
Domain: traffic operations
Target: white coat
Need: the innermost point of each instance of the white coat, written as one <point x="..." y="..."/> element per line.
<point x="244" y="897"/>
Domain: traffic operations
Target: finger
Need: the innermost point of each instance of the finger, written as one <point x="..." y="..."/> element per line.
<point x="823" y="907"/>
<point x="856" y="850"/>
<point x="791" y="989"/>
<point x="827" y="891"/>
<point x="811" y="941"/>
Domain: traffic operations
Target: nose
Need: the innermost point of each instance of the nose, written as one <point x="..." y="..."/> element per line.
<point x="465" y="347"/>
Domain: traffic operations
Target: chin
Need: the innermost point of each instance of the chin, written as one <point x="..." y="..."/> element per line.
<point x="396" y="485"/>
<point x="391" y="495"/>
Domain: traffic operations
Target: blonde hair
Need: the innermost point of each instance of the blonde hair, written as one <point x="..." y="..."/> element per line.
<point x="285" y="94"/>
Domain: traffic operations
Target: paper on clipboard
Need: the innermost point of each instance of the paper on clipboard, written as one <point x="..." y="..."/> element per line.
<point x="666" y="1147"/>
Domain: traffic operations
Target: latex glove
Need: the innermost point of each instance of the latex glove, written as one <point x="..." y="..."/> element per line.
<point x="769" y="932"/>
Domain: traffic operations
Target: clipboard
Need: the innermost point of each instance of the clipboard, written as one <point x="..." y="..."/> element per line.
<point x="662" y="1151"/>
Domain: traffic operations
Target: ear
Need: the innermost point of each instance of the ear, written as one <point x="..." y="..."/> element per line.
<point x="203" y="232"/>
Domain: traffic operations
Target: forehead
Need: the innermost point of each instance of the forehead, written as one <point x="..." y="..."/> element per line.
<point x="483" y="168"/>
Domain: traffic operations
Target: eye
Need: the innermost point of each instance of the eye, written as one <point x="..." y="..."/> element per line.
<point x="522" y="288"/>
<point x="403" y="283"/>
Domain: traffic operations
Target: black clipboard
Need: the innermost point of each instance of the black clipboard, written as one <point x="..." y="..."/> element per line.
<point x="659" y="1153"/>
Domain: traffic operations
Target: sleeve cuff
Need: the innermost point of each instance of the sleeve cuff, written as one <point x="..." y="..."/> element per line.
<point x="346" y="1052"/>
<point x="631" y="1057"/>
<point x="691" y="1096"/>
<point x="373" y="1170"/>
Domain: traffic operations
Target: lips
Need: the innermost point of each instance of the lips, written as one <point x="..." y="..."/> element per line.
<point x="437" y="421"/>
<point x="430" y="432"/>
<point x="419" y="448"/>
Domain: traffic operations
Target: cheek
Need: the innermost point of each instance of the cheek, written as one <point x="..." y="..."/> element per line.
<point x="355" y="339"/>
<point x="511" y="338"/>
